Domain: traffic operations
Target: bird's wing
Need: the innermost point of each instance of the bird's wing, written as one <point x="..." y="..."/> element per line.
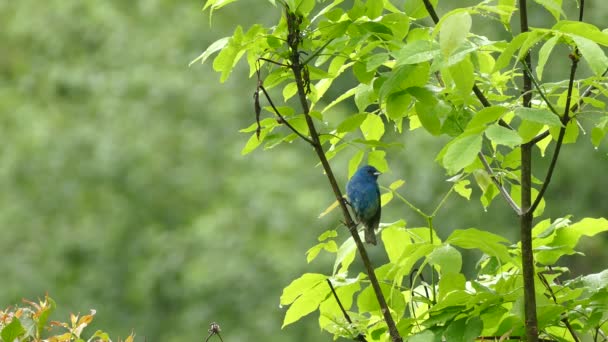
<point x="375" y="221"/>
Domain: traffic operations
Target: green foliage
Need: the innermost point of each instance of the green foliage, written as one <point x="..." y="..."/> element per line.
<point x="405" y="73"/>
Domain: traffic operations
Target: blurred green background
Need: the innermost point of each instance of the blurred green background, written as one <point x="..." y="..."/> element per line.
<point x="123" y="188"/>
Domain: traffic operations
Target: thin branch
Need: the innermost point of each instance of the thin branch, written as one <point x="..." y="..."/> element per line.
<point x="588" y="91"/>
<point x="300" y="74"/>
<point x="540" y="91"/>
<point x="484" y="101"/>
<point x="273" y="62"/>
<point x="359" y="337"/>
<point x="562" y="131"/>
<point x="283" y="120"/>
<point x="564" y="320"/>
<point x="499" y="185"/>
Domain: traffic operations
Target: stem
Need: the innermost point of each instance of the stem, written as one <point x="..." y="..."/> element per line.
<point x="564" y="320"/>
<point x="496" y="182"/>
<point x="298" y="70"/>
<point x="283" y="120"/>
<point x="565" y="119"/>
<point x="527" y="256"/>
<point x="359" y="337"/>
<point x="525" y="222"/>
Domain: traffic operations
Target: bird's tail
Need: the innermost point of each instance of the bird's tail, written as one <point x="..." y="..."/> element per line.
<point x="370" y="235"/>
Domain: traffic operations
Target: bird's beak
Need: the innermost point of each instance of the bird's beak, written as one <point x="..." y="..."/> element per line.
<point x="377" y="173"/>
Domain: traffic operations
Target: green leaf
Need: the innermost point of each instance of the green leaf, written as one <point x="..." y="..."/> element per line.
<point x="425" y="336"/>
<point x="508" y="53"/>
<point x="416" y="52"/>
<point x="329" y="310"/>
<point x="528" y="130"/>
<point x="299" y="286"/>
<point x="354" y="162"/>
<point x="485" y="116"/>
<point x="453" y="31"/>
<point x="473" y="238"/>
<point x="308" y="302"/>
<point x="462" y="152"/>
<point x="593" y="54"/>
<point x="45" y="314"/>
<point x="364" y="96"/>
<point x="464" y="330"/>
<point x="447" y="258"/>
<point x="329" y="246"/>
<point x="461" y="188"/>
<point x="397" y="104"/>
<point x="596" y="282"/>
<point x="377" y="158"/>
<point x="543" y="55"/>
<point x="361" y="73"/>
<point x="503" y="136"/>
<point x="395" y="238"/>
<point x="12" y="331"/>
<point x="351" y="123"/>
<point x="376" y="61"/>
<point x="416" y="8"/>
<point x="538" y="115"/>
<point x="566" y="238"/>
<point x="345" y="255"/>
<point x="463" y="74"/>
<point x="254" y="141"/>
<point x="398" y="22"/>
<point x="457" y="119"/>
<point x="451" y="282"/>
<point x="372" y="127"/>
<point x="582" y="29"/>
<point x="553" y="6"/>
<point x="339" y="99"/>
<point x="214" y="47"/>
<point x="405" y="77"/>
<point x="427" y="115"/>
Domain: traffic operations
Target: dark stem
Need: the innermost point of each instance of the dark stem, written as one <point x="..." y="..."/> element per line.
<point x="562" y="131"/>
<point x="564" y="320"/>
<point x="298" y="71"/>
<point x="359" y="337"/>
<point x="525" y="222"/>
<point x="527" y="256"/>
<point x="283" y="120"/>
<point x="500" y="187"/>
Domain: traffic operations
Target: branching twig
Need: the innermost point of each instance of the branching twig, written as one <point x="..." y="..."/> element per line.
<point x="500" y="187"/>
<point x="562" y="132"/>
<point x="300" y="74"/>
<point x="283" y="120"/>
<point x="484" y="101"/>
<point x="360" y="336"/>
<point x="564" y="320"/>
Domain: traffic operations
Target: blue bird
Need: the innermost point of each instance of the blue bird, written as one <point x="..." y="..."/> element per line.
<point x="364" y="197"/>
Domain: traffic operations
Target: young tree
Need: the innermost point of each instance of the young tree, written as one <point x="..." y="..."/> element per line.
<point x="490" y="99"/>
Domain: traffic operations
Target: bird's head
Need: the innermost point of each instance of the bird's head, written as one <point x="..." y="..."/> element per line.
<point x="368" y="171"/>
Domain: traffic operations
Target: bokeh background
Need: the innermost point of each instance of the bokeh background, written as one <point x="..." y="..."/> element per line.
<point x="123" y="188"/>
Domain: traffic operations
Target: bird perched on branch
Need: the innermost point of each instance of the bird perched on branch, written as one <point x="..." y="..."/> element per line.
<point x="364" y="197"/>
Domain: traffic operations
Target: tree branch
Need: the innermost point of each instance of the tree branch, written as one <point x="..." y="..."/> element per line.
<point x="562" y="131"/>
<point x="300" y="75"/>
<point x="283" y="120"/>
<point x="360" y="337"/>
<point x="500" y="187"/>
<point x="525" y="222"/>
<point x="564" y="320"/>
